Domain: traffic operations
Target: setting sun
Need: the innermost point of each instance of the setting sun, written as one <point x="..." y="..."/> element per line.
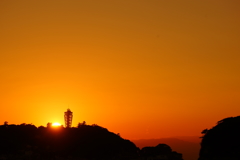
<point x="56" y="124"/>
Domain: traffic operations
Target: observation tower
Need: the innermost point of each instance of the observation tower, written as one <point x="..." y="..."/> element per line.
<point x="68" y="116"/>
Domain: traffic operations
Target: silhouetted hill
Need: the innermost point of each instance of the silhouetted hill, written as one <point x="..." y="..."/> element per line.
<point x="222" y="142"/>
<point x="159" y="152"/>
<point x="86" y="142"/>
<point x="189" y="147"/>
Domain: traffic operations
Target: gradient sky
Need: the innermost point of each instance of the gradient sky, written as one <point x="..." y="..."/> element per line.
<point x="141" y="68"/>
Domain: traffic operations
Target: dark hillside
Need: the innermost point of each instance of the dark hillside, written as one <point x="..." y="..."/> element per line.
<point x="86" y="142"/>
<point x="90" y="142"/>
<point x="189" y="149"/>
<point x="222" y="142"/>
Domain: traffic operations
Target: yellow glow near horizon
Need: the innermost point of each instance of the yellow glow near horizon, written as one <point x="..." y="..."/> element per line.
<point x="56" y="124"/>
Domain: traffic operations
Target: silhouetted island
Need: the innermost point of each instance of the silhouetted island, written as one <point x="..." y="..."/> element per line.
<point x="85" y="142"/>
<point x="222" y="142"/>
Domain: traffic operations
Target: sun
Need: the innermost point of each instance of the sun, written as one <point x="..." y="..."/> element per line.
<point x="56" y="124"/>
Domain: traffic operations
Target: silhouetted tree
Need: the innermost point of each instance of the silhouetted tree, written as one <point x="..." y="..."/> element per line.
<point x="5" y="123"/>
<point x="160" y="152"/>
<point x="49" y="125"/>
<point x="222" y="142"/>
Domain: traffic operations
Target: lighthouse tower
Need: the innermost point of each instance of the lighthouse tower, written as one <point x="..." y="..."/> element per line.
<point x="68" y="116"/>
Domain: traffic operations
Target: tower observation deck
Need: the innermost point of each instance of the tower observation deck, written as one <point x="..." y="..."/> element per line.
<point x="68" y="116"/>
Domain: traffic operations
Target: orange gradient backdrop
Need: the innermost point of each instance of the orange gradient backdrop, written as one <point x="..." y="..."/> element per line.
<point x="144" y="69"/>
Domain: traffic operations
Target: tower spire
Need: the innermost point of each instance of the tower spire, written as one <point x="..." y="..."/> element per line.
<point x="68" y="116"/>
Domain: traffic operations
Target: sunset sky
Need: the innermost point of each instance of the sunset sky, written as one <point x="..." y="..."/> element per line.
<point x="141" y="68"/>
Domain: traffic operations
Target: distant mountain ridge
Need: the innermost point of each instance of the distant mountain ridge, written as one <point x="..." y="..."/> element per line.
<point x="189" y="146"/>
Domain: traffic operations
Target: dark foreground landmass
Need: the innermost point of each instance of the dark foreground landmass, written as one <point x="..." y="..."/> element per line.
<point x="85" y="142"/>
<point x="222" y="142"/>
<point x="189" y="146"/>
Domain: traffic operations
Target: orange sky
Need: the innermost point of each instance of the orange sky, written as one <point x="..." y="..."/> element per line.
<point x="141" y="68"/>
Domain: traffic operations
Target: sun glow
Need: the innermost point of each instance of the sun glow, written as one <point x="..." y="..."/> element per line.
<point x="56" y="124"/>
